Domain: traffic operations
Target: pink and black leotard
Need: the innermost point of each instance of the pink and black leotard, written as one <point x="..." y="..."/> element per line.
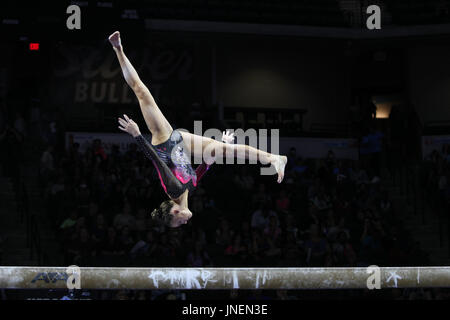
<point x="172" y="164"/>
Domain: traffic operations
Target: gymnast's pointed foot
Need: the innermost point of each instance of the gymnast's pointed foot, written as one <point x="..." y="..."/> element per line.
<point x="114" y="39"/>
<point x="279" y="163"/>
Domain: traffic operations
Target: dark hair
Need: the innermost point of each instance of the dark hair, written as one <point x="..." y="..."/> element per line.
<point x="162" y="214"/>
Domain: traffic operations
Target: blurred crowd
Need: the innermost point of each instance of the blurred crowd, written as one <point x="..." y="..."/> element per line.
<point x="328" y="212"/>
<point x="435" y="176"/>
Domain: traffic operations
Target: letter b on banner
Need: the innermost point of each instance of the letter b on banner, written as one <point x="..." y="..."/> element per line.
<point x="74" y="279"/>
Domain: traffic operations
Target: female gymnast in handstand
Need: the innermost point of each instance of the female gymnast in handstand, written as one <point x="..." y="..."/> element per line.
<point x="167" y="153"/>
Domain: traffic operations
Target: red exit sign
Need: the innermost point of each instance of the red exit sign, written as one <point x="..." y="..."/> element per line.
<point x="34" y="46"/>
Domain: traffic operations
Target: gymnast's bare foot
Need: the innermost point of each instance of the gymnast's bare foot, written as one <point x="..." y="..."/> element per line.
<point x="114" y="39"/>
<point x="279" y="163"/>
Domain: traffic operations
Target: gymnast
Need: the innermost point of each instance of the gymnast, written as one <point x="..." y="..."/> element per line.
<point x="169" y="148"/>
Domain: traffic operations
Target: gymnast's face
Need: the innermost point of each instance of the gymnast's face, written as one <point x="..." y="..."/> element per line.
<point x="180" y="216"/>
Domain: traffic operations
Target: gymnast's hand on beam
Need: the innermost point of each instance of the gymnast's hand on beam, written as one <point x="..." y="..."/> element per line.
<point x="128" y="125"/>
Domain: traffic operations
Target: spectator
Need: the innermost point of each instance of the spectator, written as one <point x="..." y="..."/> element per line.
<point x="272" y="231"/>
<point x="70" y="221"/>
<point x="99" y="230"/>
<point x="299" y="167"/>
<point x="260" y="217"/>
<point x="91" y="216"/>
<point x="98" y="149"/>
<point x="47" y="162"/>
<point x="236" y="247"/>
<point x="199" y="257"/>
<point x="141" y="223"/>
<point x="343" y="253"/>
<point x="224" y="234"/>
<point x="316" y="247"/>
<point x="244" y="180"/>
<point x="292" y="158"/>
<point x="385" y="203"/>
<point x="126" y="239"/>
<point x="82" y="249"/>
<point x="145" y="247"/>
<point x="370" y="242"/>
<point x="282" y="202"/>
<point x="20" y="124"/>
<point x="261" y="196"/>
<point x="111" y="246"/>
<point x="124" y="219"/>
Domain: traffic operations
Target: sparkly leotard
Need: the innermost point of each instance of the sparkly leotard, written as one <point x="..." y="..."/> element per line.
<point x="172" y="164"/>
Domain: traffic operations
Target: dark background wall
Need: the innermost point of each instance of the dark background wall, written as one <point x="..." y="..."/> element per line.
<point x="284" y="73"/>
<point x="321" y="76"/>
<point x="429" y="80"/>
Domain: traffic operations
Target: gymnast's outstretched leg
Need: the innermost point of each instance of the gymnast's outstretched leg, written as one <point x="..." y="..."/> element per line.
<point x="158" y="125"/>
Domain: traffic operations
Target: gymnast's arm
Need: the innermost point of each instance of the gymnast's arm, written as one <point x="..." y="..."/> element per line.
<point x="171" y="185"/>
<point x="131" y="127"/>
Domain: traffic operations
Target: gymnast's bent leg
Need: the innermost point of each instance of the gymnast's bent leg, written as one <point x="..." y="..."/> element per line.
<point x="240" y="151"/>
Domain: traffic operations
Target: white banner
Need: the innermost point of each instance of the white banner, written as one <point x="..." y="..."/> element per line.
<point x="306" y="147"/>
<point x="430" y="143"/>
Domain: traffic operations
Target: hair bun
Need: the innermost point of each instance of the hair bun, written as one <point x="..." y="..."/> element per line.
<point x="162" y="214"/>
<point x="156" y="214"/>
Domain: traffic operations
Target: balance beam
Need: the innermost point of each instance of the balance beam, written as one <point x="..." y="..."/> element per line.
<point x="225" y="278"/>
